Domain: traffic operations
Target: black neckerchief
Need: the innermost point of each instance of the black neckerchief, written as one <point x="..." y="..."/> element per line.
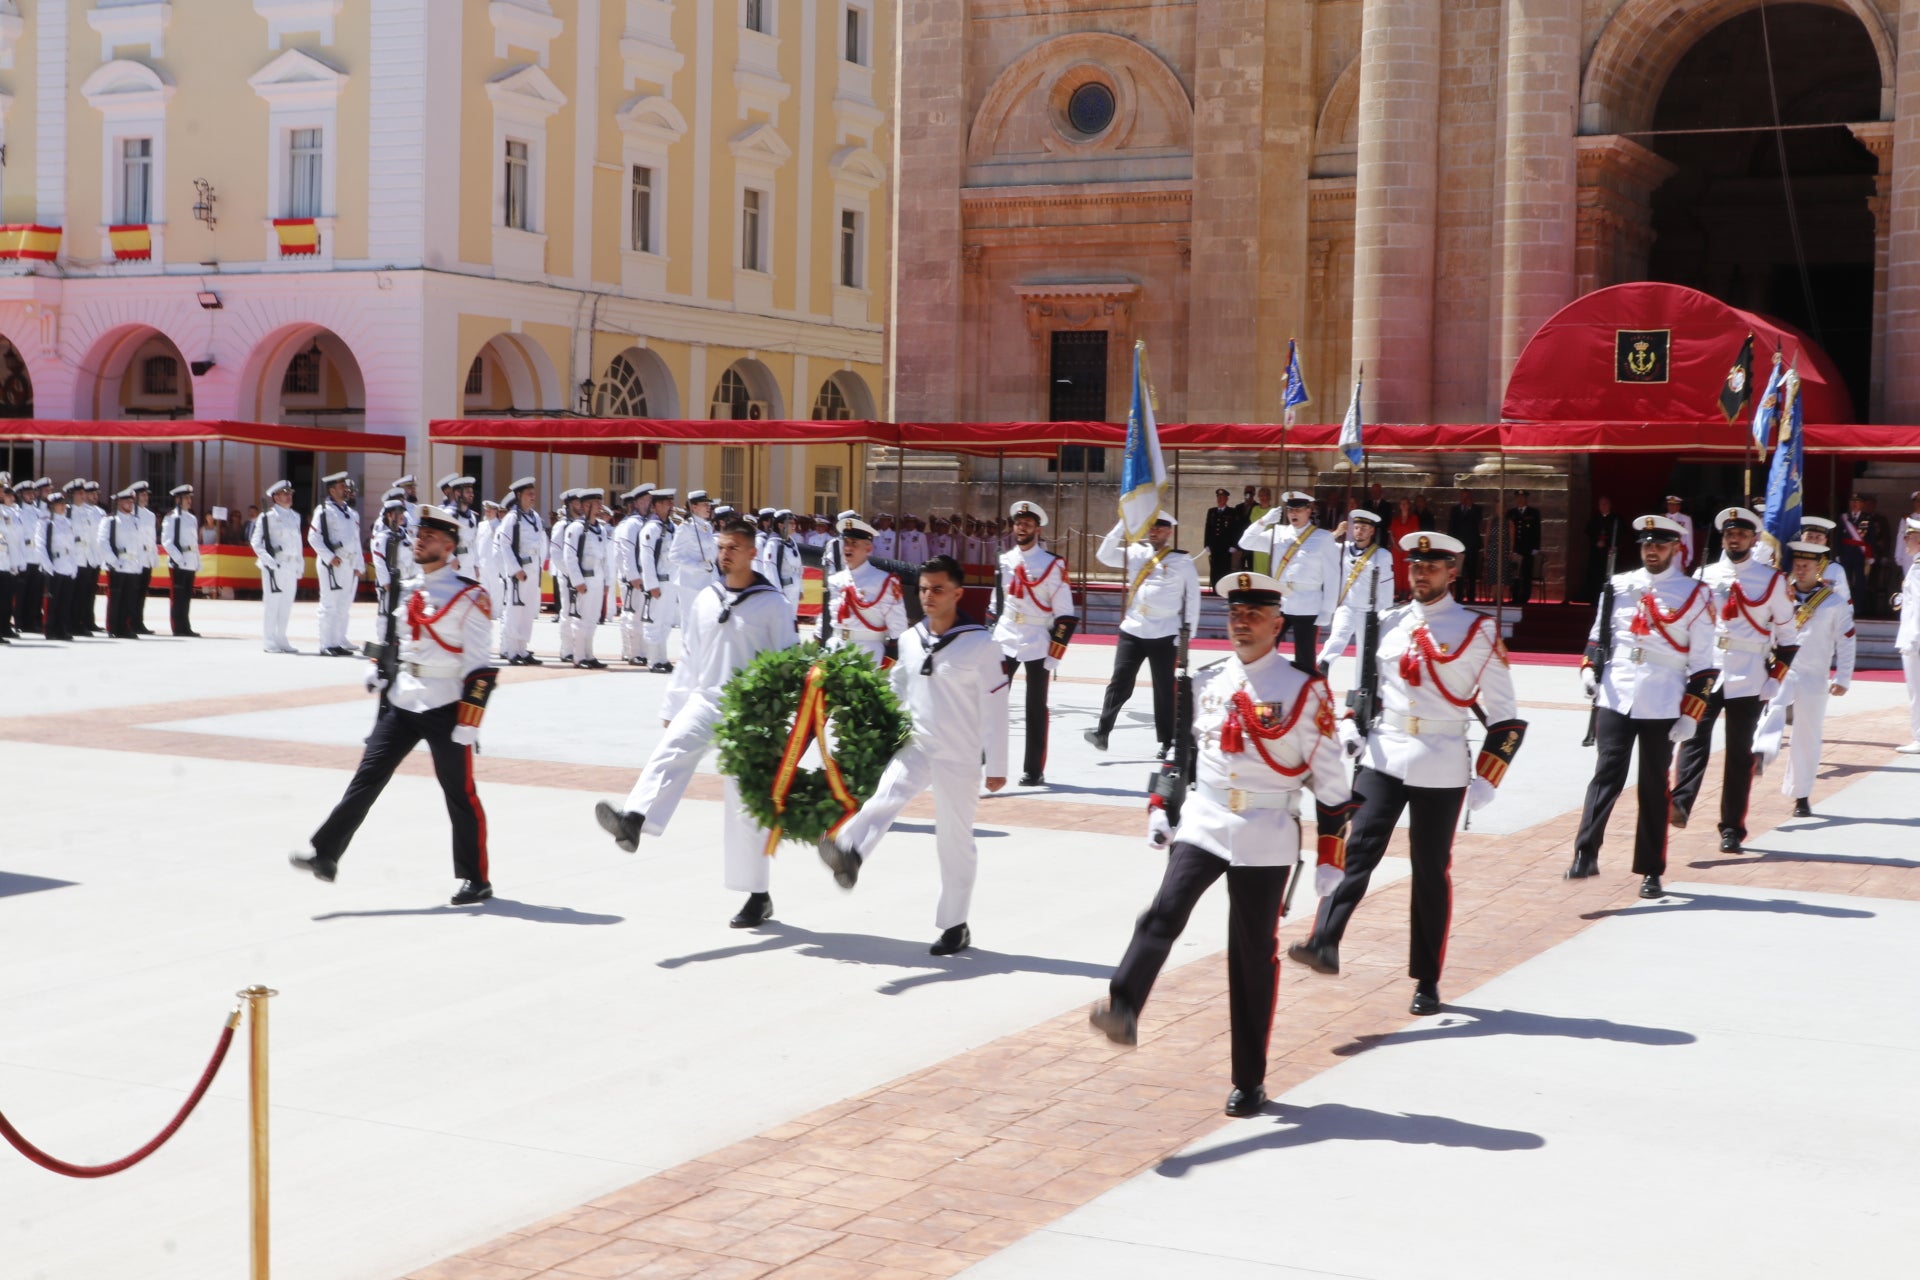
<point x="962" y="625"/>
<point x="727" y="603"/>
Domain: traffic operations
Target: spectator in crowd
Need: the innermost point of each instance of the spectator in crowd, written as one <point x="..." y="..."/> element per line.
<point x="1523" y="545"/>
<point x="1404" y="522"/>
<point x="1466" y="523"/>
<point x="1422" y="514"/>
<point x="1605" y="531"/>
<point x="1222" y="532"/>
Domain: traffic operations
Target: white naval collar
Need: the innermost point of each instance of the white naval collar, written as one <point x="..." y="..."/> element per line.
<point x="1440" y="608"/>
<point x="1263" y="663"/>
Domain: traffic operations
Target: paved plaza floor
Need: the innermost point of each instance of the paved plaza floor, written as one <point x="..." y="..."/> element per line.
<point x="592" y="1076"/>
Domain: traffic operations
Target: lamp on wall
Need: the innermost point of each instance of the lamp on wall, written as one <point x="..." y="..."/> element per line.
<point x="203" y="202"/>
<point x="586" y="395"/>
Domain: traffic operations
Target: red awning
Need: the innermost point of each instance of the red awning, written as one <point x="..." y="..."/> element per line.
<point x="164" y="431"/>
<point x="1575" y="368"/>
<point x="620" y="437"/>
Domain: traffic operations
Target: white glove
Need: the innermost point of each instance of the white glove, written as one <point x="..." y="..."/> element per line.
<point x="465" y="735"/>
<point x="1589" y="683"/>
<point x="1326" y="878"/>
<point x="375" y="682"/>
<point x="1053" y="665"/>
<point x="1159" y="830"/>
<point x="1683" y="729"/>
<point x="1351" y="739"/>
<point x="1480" y="794"/>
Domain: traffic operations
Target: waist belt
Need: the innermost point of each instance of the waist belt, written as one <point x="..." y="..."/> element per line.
<point x="1655" y="657"/>
<point x="1234" y="800"/>
<point x="427" y="671"/>
<point x="1738" y="645"/>
<point x="862" y="633"/>
<point x="1415" y="725"/>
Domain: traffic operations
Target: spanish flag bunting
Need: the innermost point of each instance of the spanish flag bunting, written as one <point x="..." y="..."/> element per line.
<point x="131" y="243"/>
<point x="298" y="236"/>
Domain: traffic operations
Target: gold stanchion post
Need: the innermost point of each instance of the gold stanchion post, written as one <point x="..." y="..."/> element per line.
<point x="256" y="998"/>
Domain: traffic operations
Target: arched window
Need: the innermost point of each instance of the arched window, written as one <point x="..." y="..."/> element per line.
<point x="732" y="398"/>
<point x="160" y="376"/>
<point x="621" y="393"/>
<point x="831" y="404"/>
<point x="303" y="373"/>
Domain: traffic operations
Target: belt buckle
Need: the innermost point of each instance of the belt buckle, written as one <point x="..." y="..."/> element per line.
<point x="1635" y="655"/>
<point x="1236" y="800"/>
<point x="1724" y="642"/>
<point x="1413" y="726"/>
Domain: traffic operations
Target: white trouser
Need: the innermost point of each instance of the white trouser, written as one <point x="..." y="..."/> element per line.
<point x="336" y="599"/>
<point x="587" y="606"/>
<point x="1910" y="663"/>
<point x="279" y="606"/>
<point x="569" y="608"/>
<point x="516" y="619"/>
<point x="956" y="797"/>
<point x="633" y="640"/>
<point x="663" y="614"/>
<point x="663" y="783"/>
<point x="1803" y="746"/>
<point x="872" y="641"/>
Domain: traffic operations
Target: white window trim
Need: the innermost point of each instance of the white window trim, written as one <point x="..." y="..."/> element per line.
<point x="862" y="229"/>
<point x="296" y="17"/>
<point x="771" y="8"/>
<point x="132" y="102"/>
<point x="120" y="25"/>
<point x="756" y="72"/>
<point x="524" y="99"/>
<point x="865" y="9"/>
<point x="301" y="92"/>
<point x="857" y="173"/>
<point x="649" y="126"/>
<point x="523" y="24"/>
<point x="647" y="54"/>
<point x="759" y="153"/>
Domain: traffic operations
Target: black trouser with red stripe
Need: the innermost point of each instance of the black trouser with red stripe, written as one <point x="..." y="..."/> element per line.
<point x="1431" y="815"/>
<point x="1614" y="738"/>
<point x="1128" y="654"/>
<point x="1035" y="761"/>
<point x="1736" y="785"/>
<point x="395" y="733"/>
<point x="1305" y="629"/>
<point x="1253" y="946"/>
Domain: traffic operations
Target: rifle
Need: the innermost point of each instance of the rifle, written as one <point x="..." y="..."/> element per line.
<point x="1171" y="780"/>
<point x="386" y="653"/>
<point x="1363" y="700"/>
<point x="1599" y="652"/>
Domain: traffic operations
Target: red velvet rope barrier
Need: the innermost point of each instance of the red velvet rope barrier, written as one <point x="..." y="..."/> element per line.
<point x="48" y="1162"/>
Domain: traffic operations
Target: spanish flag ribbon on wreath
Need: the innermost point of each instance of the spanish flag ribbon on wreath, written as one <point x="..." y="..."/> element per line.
<point x="1143" y="470"/>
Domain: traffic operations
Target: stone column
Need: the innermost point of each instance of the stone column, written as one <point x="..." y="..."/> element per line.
<point x="1877" y="136"/>
<point x="1538" y="181"/>
<point x="931" y="164"/>
<point x="1394" y="204"/>
<point x="1618" y="177"/>
<point x="1899" y="379"/>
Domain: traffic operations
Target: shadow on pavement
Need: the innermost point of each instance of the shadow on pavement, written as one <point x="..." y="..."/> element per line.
<point x="927" y="829"/>
<point x="13" y="884"/>
<point x="1337" y="1122"/>
<point x="505" y="907"/>
<point x="896" y="953"/>
<point x="1516" y="1022"/>
<point x="1763" y="856"/>
<point x="1821" y="821"/>
<point x="1718" y="902"/>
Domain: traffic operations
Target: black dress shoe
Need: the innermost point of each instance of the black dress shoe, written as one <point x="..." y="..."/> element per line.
<point x="1676" y="816"/>
<point x="958" y="938"/>
<point x="1650" y="887"/>
<point x="1426" y="1000"/>
<point x="757" y="911"/>
<point x="1097" y="738"/>
<point x="636" y="662"/>
<point x="1165" y="750"/>
<point x="1320" y="959"/>
<point x="1120" y="1024"/>
<point x="1033" y="780"/>
<point x="664" y="668"/>
<point x="527" y="659"/>
<point x="472" y="891"/>
<point x="1801" y="809"/>
<point x="1242" y="1103"/>
<point x="318" y="867"/>
<point x="624" y="827"/>
<point x="842" y="861"/>
<point x="1729" y="841"/>
<point x="1584" y="865"/>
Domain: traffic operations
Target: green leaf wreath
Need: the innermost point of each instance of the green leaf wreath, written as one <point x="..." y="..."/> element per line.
<point x="757" y="709"/>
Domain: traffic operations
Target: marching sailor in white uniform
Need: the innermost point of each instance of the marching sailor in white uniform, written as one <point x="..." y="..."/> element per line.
<point x="1306" y="562"/>
<point x="1163" y="599"/>
<point x="951" y="679"/>
<point x="863" y="604"/>
<point x="276" y="550"/>
<point x="727" y="625"/>
<point x="1822" y="668"/>
<point x="1033" y="617"/>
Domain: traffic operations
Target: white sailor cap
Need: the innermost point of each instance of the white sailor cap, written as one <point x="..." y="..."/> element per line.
<point x="393" y="504"/>
<point x="764" y="513"/>
<point x="697" y="495"/>
<point x="639" y="492"/>
<point x="724" y="509"/>
<point x="25" y="485"/>
<point x="855" y="527"/>
<point x="394" y="493"/>
<point x="276" y="487"/>
<point x="449" y="480"/>
<point x="1657" y="529"/>
<point x="663" y="495"/>
<point x="432" y="517"/>
<point x="1295" y="498"/>
<point x="1024" y="508"/>
<point x="59" y="495"/>
<point x="403" y="480"/>
<point x="1361" y="513"/>
<point x="92" y="486"/>
<point x="1166" y="518"/>
<point x="180" y="491"/>
<point x="592" y="493"/>
<point x="1422" y="545"/>
<point x="1674" y="497"/>
<point x="6" y="480"/>
<point x="1819" y="550"/>
<point x="848" y="514"/>
<point x="71" y="485"/>
<point x="1737" y="517"/>
<point x="489" y="502"/>
<point x="783" y="513"/>
<point x="1249" y="588"/>
<point x="338" y="477"/>
<point x="462" y="480"/>
<point x="124" y="493"/>
<point x="568" y="495"/>
<point x="524" y="482"/>
<point x="138" y="486"/>
<point x="1913" y="524"/>
<point x="1816" y="522"/>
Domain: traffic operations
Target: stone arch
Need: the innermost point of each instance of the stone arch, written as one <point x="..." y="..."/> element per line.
<point x="16" y="380"/>
<point x="1336" y="135"/>
<point x="112" y="383"/>
<point x="516" y="372"/>
<point x="304" y="372"/>
<point x="760" y="386"/>
<point x="843" y="396"/>
<point x="1641" y="44"/>
<point x="641" y="369"/>
<point x="1020" y="118"/>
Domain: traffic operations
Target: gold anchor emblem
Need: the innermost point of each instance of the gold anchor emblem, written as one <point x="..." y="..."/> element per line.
<point x="1246" y="582"/>
<point x="1641" y="359"/>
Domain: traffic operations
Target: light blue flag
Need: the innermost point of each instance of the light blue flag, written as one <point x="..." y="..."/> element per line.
<point x="1350" y="432"/>
<point x="1784" y="482"/>
<point x="1766" y="415"/>
<point x="1143" y="471"/>
<point x="1297" y="393"/>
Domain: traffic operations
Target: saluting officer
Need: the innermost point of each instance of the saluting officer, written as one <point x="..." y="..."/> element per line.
<point x="728" y="624"/>
<point x="662" y="604"/>
<point x="276" y="549"/>
<point x="1163" y="598"/>
<point x="951" y="679"/>
<point x="1822" y="667"/>
<point x="180" y="532"/>
<point x="1754" y="642"/>
<point x="1441" y="665"/>
<point x="334" y="535"/>
<point x="1033" y="617"/>
<point x="439" y="695"/>
<point x="1306" y="562"/>
<point x="1366" y="584"/>
<point x="863" y="604"/>
<point x="1263" y="729"/>
<point x="1652" y="694"/>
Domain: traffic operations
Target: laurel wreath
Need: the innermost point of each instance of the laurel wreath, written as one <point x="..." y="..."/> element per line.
<point x="757" y="709"/>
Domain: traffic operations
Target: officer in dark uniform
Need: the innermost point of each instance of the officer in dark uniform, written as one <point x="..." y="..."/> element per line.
<point x="1222" y="532"/>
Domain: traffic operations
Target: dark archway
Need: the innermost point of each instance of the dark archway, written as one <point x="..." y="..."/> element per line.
<point x="1721" y="223"/>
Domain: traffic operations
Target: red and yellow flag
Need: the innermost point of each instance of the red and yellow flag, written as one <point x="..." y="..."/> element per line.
<point x="30" y="241"/>
<point x="299" y="237"/>
<point x="131" y="243"/>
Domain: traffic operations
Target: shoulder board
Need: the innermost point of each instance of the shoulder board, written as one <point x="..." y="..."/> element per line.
<point x="1215" y="665"/>
<point x="472" y="582"/>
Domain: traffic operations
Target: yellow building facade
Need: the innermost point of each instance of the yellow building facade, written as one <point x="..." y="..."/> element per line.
<point x="373" y="214"/>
